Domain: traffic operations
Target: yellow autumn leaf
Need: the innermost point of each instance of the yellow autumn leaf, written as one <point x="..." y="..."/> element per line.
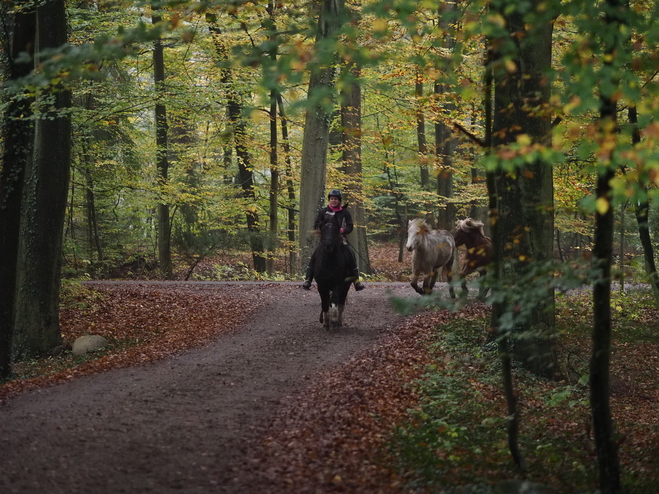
<point x="602" y="205"/>
<point x="379" y="25"/>
<point x="511" y="66"/>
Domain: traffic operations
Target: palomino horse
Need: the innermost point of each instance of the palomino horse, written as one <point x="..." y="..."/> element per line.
<point x="431" y="250"/>
<point x="469" y="233"/>
<point x="332" y="273"/>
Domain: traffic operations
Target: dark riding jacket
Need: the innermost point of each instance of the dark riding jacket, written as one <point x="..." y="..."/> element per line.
<point x="343" y="215"/>
<point x="345" y="219"/>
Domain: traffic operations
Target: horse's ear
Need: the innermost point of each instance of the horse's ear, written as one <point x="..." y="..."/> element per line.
<point x="346" y="205"/>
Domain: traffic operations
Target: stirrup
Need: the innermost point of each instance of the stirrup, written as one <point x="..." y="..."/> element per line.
<point x="359" y="286"/>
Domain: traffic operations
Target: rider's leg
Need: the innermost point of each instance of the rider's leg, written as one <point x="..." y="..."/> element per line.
<point x="354" y="270"/>
<point x="309" y="275"/>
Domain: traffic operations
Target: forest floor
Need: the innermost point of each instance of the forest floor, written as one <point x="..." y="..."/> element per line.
<point x="228" y="387"/>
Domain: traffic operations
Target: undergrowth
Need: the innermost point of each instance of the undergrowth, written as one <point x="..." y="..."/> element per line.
<point x="457" y="434"/>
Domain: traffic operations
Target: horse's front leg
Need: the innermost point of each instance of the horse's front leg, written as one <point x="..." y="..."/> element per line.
<point x="429" y="282"/>
<point x="449" y="278"/>
<point x="463" y="276"/>
<point x="324" y="306"/>
<point x="415" y="282"/>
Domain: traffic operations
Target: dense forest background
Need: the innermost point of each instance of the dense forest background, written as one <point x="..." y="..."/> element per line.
<point x="422" y="117"/>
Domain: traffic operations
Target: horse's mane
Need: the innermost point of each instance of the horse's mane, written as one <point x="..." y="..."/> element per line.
<point x="419" y="227"/>
<point x="428" y="237"/>
<point x="470" y="225"/>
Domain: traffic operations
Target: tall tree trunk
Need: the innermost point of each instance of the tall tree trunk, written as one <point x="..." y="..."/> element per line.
<point x="239" y="131"/>
<point x="93" y="238"/>
<point x="274" y="169"/>
<point x="162" y="159"/>
<point x="44" y="204"/>
<point x="444" y="147"/>
<point x="498" y="306"/>
<point x="421" y="130"/>
<point x="605" y="441"/>
<point x="444" y="140"/>
<point x="642" y="210"/>
<point x="351" y="125"/>
<point x="274" y="183"/>
<point x="525" y="211"/>
<point x="18" y="139"/>
<point x="315" y="139"/>
<point x="290" y="187"/>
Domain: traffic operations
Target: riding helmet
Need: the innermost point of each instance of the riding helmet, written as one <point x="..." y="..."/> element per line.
<point x="335" y="193"/>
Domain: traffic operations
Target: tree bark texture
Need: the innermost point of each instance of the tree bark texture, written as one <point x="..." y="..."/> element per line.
<point x="497" y="248"/>
<point x="162" y="159"/>
<point x="274" y="182"/>
<point x="603" y="426"/>
<point x="421" y="130"/>
<point x="18" y="140"/>
<point x="315" y="140"/>
<point x="292" y="254"/>
<point x="274" y="167"/>
<point x="44" y="204"/>
<point x="444" y="140"/>
<point x="239" y="131"/>
<point x="351" y="125"/>
<point x="525" y="210"/>
<point x="642" y="211"/>
<point x="605" y="443"/>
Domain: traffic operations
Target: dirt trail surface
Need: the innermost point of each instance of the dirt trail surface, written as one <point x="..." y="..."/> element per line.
<point x="188" y="423"/>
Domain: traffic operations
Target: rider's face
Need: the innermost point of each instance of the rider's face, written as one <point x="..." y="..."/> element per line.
<point x="334" y="201"/>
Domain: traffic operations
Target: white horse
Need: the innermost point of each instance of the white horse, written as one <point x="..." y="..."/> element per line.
<point x="431" y="250"/>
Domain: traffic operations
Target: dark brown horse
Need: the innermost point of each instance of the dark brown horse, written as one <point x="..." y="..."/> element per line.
<point x="333" y="276"/>
<point x="469" y="233"/>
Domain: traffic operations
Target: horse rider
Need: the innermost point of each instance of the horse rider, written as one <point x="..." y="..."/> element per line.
<point x="345" y="219"/>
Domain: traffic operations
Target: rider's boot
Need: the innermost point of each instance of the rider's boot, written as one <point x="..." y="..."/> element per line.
<point x="359" y="286"/>
<point x="307" y="283"/>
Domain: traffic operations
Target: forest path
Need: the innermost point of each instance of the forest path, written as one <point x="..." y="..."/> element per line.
<point x="187" y="423"/>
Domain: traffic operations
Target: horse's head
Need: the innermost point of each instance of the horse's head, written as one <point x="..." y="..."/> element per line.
<point x="330" y="232"/>
<point x="468" y="231"/>
<point x="417" y="229"/>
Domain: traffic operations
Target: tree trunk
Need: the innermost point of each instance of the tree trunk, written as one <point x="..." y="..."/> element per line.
<point x="351" y="125"/>
<point x="444" y="140"/>
<point x="289" y="186"/>
<point x="421" y="131"/>
<point x="18" y="139"/>
<point x="44" y="204"/>
<point x="315" y="139"/>
<point x="444" y="147"/>
<point x="605" y="443"/>
<point x="641" y="211"/>
<point x="498" y="306"/>
<point x="93" y="238"/>
<point x="274" y="169"/>
<point x="525" y="211"/>
<point x="274" y="183"/>
<point x="604" y="430"/>
<point x="239" y="131"/>
<point x="162" y="160"/>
